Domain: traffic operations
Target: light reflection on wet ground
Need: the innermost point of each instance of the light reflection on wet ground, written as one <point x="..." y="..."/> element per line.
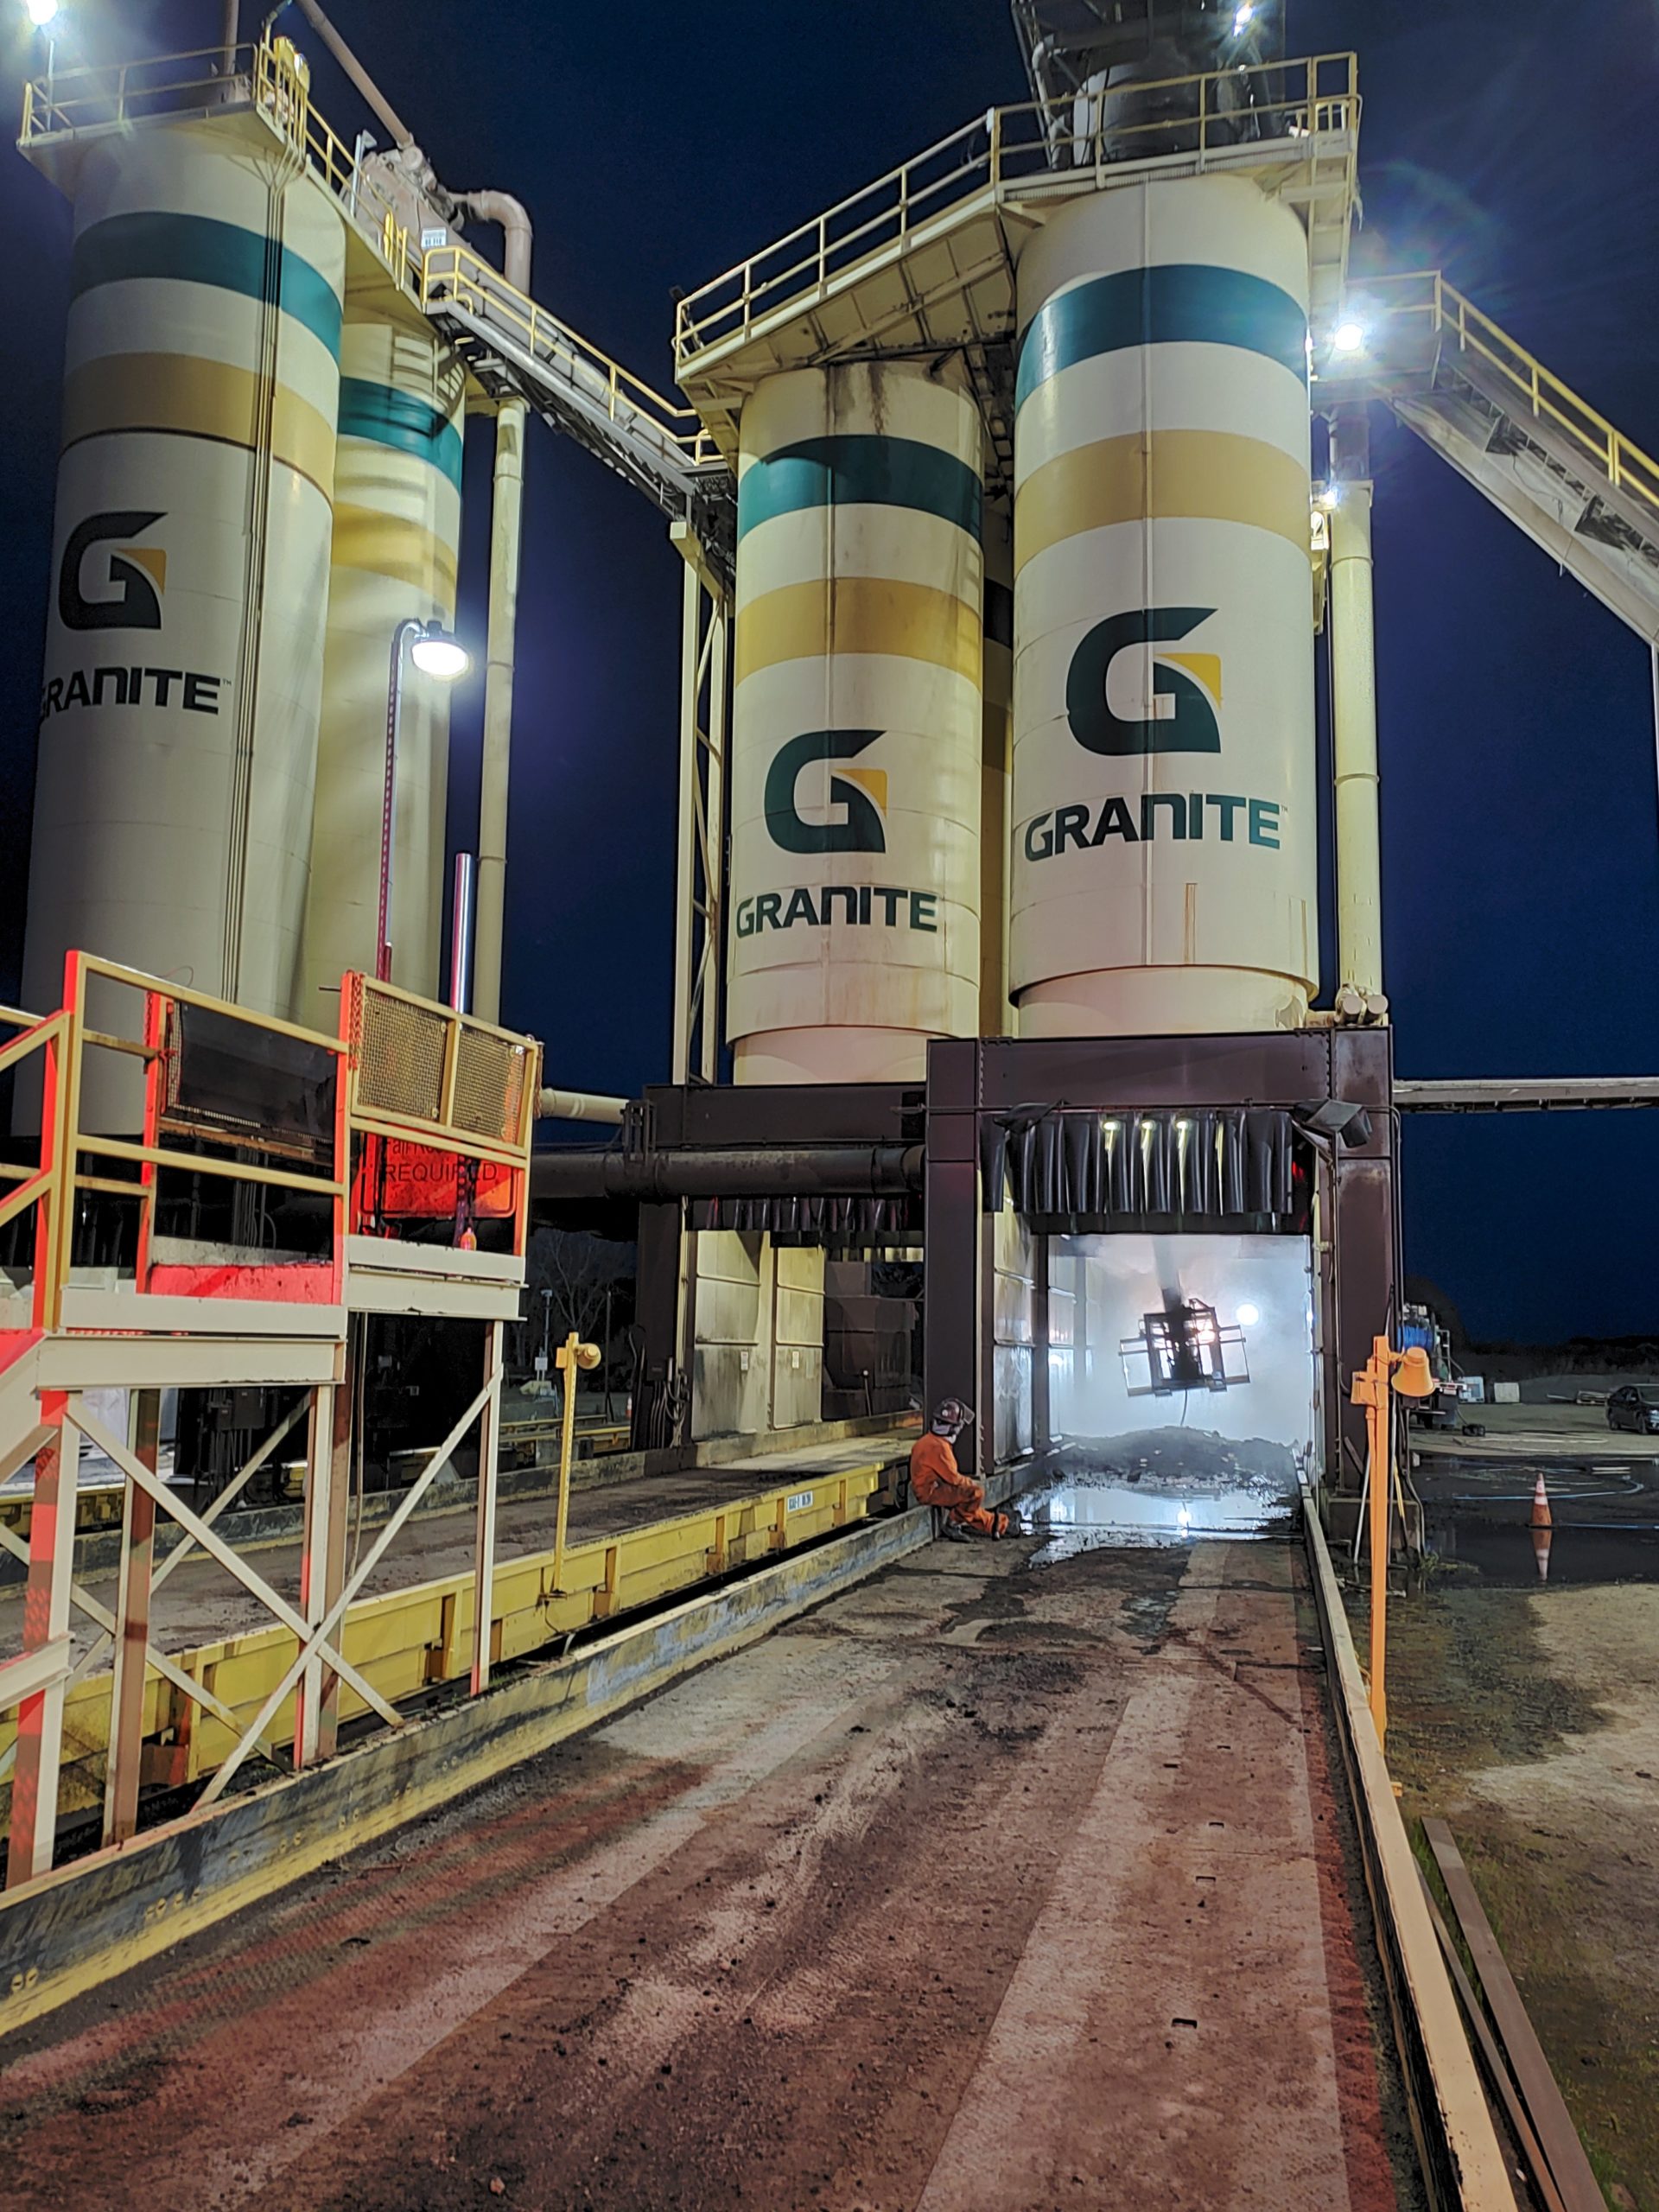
<point x="1604" y="1518"/>
<point x="1160" y="1487"/>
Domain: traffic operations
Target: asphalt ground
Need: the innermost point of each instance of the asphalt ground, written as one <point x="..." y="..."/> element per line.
<point x="985" y="1887"/>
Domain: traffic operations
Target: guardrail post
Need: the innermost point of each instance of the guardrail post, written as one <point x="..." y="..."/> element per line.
<point x="489" y="1442"/>
<point x="46" y="1620"/>
<point x="124" y="1762"/>
<point x="323" y="1563"/>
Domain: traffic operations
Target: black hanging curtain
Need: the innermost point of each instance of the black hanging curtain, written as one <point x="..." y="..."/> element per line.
<point x="1119" y="1168"/>
<point x="813" y="1220"/>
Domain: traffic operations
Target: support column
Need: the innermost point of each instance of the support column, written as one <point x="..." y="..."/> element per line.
<point x="322" y="1564"/>
<point x="489" y="1439"/>
<point x="506" y="531"/>
<point x="953" y="1363"/>
<point x="1353" y="710"/>
<point x="46" y="1622"/>
<point x="123" y="1764"/>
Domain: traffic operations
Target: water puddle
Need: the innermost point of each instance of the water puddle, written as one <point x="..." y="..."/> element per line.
<point x="1158" y="1487"/>
<point x="1604" y="1520"/>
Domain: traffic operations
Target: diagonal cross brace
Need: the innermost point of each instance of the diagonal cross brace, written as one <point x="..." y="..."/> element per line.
<point x="313" y="1643"/>
<point x="135" y="1470"/>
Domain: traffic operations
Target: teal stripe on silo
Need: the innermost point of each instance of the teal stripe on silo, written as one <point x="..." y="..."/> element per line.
<point x="389" y="417"/>
<point x="200" y="250"/>
<point x="859" y="469"/>
<point x="1178" y="303"/>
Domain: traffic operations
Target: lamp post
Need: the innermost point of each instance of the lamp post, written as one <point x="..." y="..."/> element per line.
<point x="438" y="654"/>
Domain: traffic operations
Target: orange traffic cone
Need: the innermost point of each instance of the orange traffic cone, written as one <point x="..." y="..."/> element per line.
<point x="1542" y="1529"/>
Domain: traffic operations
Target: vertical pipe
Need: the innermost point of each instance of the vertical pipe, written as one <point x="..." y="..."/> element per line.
<point x="1378" y="1478"/>
<point x="460" y="936"/>
<point x="1353" y="695"/>
<point x="388" y="802"/>
<point x="506" y="531"/>
<point x="505" y="523"/>
<point x="685" y="892"/>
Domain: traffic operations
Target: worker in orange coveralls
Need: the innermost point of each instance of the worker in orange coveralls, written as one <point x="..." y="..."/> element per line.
<point x="936" y="1479"/>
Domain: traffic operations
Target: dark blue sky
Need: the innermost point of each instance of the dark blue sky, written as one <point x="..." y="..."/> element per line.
<point x="655" y="145"/>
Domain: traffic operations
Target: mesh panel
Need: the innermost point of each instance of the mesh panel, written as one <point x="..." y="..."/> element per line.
<point x="400" y="1066"/>
<point x="489" y="1086"/>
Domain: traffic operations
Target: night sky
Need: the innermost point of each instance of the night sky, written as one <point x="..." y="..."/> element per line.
<point x="655" y="145"/>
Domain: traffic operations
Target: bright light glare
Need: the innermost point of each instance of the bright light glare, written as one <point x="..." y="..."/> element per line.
<point x="1248" y="1316"/>
<point x="1348" y="338"/>
<point x="40" y="12"/>
<point x="1242" y="21"/>
<point x="1329" y="498"/>
<point x="438" y="654"/>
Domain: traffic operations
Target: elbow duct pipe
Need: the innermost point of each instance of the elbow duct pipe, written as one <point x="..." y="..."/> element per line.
<point x="505" y="534"/>
<point x="818" y="1170"/>
<point x="579" y="1106"/>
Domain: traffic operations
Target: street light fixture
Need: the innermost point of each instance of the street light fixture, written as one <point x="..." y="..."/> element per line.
<point x="437" y="653"/>
<point x="40" y="12"/>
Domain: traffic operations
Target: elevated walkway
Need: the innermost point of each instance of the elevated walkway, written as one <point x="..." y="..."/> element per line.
<point x="1546" y="459"/>
<point x="280" y="1186"/>
<point x="509" y="345"/>
<point x="922" y="259"/>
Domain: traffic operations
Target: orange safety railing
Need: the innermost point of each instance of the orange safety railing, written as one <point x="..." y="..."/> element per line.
<point x="415" y="1112"/>
<point x="1424" y="297"/>
<point x="73" y="1160"/>
<point x="1202" y="117"/>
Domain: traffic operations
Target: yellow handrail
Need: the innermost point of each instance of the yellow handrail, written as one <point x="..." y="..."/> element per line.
<point x="1453" y="318"/>
<point x="1305" y="100"/>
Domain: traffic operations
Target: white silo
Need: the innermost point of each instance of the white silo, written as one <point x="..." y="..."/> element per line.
<point x="396" y="547"/>
<point x="856" y="726"/>
<point x="1164" y="867"/>
<point x="184" y="650"/>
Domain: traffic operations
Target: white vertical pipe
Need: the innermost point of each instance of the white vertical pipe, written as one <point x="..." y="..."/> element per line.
<point x="505" y="521"/>
<point x="1353" y="708"/>
<point x="460" y="936"/>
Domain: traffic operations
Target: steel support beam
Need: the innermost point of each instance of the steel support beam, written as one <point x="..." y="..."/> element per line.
<point x="1353" y="718"/>
<point x="700" y="881"/>
<point x="124" y="1762"/>
<point x="46" y="1626"/>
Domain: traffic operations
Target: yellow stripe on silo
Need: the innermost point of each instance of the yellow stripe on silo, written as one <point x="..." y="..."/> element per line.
<point x="1197" y="475"/>
<point x="859" y="614"/>
<point x="387" y="545"/>
<point x="181" y="393"/>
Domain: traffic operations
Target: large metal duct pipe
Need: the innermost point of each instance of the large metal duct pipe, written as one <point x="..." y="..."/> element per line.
<point x="402" y="136"/>
<point x="506" y="534"/>
<point x="818" y="1171"/>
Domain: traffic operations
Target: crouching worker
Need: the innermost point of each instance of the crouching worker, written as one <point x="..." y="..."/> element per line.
<point x="936" y="1479"/>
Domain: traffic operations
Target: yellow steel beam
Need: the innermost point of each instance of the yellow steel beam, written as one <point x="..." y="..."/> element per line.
<point x="403" y="1641"/>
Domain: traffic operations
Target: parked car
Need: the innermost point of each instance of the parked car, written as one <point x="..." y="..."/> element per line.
<point x="1637" y="1406"/>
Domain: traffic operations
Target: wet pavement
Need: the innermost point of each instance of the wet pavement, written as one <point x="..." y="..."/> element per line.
<point x="976" y="1890"/>
<point x="1158" y="1486"/>
<point x="1604" y="1518"/>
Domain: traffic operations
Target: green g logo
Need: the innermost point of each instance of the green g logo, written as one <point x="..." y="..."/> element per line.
<point x="861" y="792"/>
<point x="1191" y="680"/>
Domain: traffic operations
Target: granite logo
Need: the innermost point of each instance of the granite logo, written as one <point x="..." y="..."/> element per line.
<point x="138" y="571"/>
<point x="861" y="793"/>
<point x="1185" y="687"/>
